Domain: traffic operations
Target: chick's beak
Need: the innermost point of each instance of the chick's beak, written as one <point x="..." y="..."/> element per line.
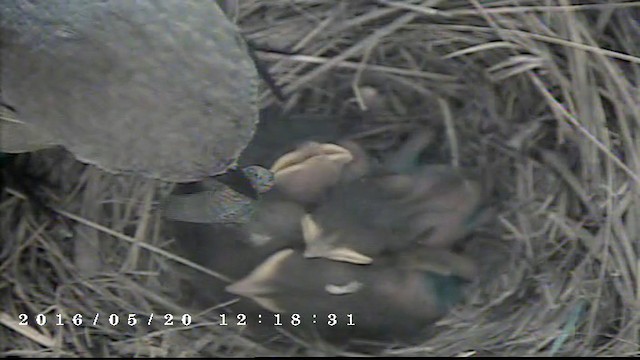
<point x="337" y="254"/>
<point x="319" y="245"/>
<point x="258" y="285"/>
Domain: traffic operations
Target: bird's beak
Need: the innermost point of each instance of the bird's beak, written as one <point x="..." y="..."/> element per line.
<point x="247" y="288"/>
<point x="258" y="284"/>
<point x="318" y="246"/>
<point x="253" y="293"/>
<point x="293" y="161"/>
<point x="338" y="254"/>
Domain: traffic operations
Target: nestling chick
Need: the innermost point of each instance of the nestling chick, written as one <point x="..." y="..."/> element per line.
<point x="357" y="222"/>
<point x="393" y="298"/>
<point x="232" y="250"/>
<point x="228" y="232"/>
<point x="393" y="207"/>
<point x="304" y="174"/>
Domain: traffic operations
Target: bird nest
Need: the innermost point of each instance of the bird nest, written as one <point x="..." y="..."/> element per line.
<point x="541" y="96"/>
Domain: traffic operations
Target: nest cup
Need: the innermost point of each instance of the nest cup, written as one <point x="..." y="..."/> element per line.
<point x="542" y="99"/>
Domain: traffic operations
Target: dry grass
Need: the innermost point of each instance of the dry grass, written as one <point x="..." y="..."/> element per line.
<point x="542" y="95"/>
